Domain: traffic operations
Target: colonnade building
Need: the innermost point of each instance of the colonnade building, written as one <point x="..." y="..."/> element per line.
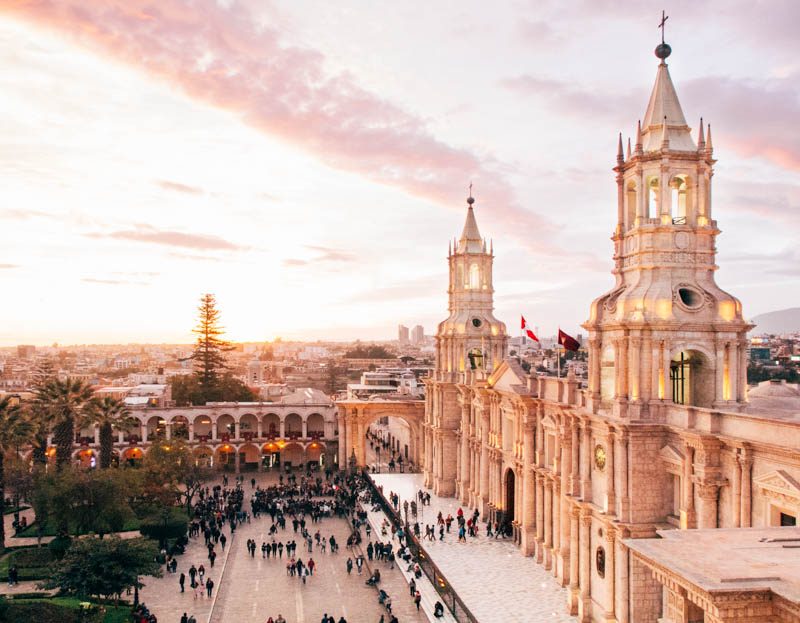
<point x="299" y="429"/>
<point x="662" y="443"/>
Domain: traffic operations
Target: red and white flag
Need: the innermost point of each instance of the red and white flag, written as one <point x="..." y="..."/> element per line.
<point x="527" y="330"/>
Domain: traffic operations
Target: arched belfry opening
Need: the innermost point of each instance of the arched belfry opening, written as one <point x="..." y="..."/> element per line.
<point x="692" y="379"/>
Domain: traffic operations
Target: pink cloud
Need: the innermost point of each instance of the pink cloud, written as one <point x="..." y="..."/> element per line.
<point x="225" y="57"/>
<point x="147" y="233"/>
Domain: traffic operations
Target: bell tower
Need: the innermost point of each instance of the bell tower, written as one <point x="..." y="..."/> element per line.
<point x="471" y="339"/>
<point x="666" y="333"/>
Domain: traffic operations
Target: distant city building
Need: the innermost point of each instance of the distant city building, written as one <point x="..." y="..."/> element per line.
<point x="418" y="335"/>
<point x="402" y="334"/>
<point x="386" y="383"/>
<point x="25" y="351"/>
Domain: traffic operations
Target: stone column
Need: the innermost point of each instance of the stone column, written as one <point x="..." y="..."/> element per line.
<point x="97" y="435"/>
<point x="539" y="517"/>
<point x="610" y="574"/>
<point x="741" y="387"/>
<point x="143" y="428"/>
<point x="595" y="361"/>
<point x="719" y="373"/>
<point x="556" y="514"/>
<point x="585" y="603"/>
<point x="282" y="427"/>
<point x="237" y="460"/>
<point x="464" y="473"/>
<point x="575" y="475"/>
<point x="484" y="490"/>
<point x="121" y="436"/>
<point x="237" y="434"/>
<point x="733" y="370"/>
<point x="746" y="461"/>
<point x="586" y="461"/>
<point x="548" y="523"/>
<point x="191" y="431"/>
<point x="708" y="496"/>
<point x="574" y="559"/>
<point x="342" y="441"/>
<point x="622" y="582"/>
<point x="562" y="518"/>
<point x="621" y="455"/>
<point x="168" y="430"/>
<point x="635" y="371"/>
<point x="528" y="493"/>
<point x="624" y="367"/>
<point x="260" y="428"/>
<point x="665" y="372"/>
<point x="687" y="510"/>
<point x="303" y="428"/>
<point x="736" y="491"/>
<point x="611" y="496"/>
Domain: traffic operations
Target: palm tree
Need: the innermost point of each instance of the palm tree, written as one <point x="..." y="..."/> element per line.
<point x="15" y="430"/>
<point x="110" y="415"/>
<point x="64" y="402"/>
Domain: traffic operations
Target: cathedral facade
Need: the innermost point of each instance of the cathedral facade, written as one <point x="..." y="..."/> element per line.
<point x="662" y="441"/>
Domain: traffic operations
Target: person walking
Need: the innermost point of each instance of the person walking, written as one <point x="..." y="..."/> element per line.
<point x="182" y="581"/>
<point x="209" y="586"/>
<point x="349" y="565"/>
<point x="417" y="599"/>
<point x="412" y="587"/>
<point x="184" y="618"/>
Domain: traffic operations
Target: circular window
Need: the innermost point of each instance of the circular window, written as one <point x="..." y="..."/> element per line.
<point x="476" y="322"/>
<point x="690" y="297"/>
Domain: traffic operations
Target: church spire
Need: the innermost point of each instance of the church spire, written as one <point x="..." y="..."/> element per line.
<point x="664" y="116"/>
<point x="471" y="241"/>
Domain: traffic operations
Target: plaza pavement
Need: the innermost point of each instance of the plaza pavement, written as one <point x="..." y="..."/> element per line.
<point x="248" y="590"/>
<point x="492" y="577"/>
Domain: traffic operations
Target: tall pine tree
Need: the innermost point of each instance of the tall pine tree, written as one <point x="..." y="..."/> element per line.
<point x="209" y="351"/>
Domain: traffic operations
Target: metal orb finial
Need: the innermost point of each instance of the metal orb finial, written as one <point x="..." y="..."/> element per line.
<point x="470" y="200"/>
<point x="663" y="50"/>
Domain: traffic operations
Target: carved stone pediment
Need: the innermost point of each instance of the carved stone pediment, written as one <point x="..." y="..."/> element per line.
<point x="549" y="422"/>
<point x="779" y="484"/>
<point x="669" y="454"/>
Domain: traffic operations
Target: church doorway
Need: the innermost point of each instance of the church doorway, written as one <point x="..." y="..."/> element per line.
<point x="509" y="506"/>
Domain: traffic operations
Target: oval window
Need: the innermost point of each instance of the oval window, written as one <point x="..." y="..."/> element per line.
<point x="690" y="297"/>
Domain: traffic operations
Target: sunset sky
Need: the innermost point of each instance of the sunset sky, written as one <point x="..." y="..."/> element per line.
<point x="307" y="162"/>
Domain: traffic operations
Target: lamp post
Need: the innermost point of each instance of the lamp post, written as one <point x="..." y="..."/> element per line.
<point x="405" y="510"/>
<point x="378" y="453"/>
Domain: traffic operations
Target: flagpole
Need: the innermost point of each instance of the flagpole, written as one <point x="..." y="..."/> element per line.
<point x="558" y="359"/>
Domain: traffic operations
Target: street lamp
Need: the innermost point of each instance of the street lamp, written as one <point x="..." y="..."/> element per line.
<point x="405" y="510"/>
<point x="378" y="453"/>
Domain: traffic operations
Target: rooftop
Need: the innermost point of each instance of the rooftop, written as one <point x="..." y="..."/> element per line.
<point x="733" y="559"/>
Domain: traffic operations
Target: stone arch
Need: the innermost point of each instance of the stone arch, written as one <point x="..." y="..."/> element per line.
<point x="180" y="427"/>
<point x="631" y="203"/>
<point x="204" y="456"/>
<point x="203" y="426"/>
<point x="134" y="433"/>
<point x="315" y="425"/>
<point x="271" y="425"/>
<point x="509" y="494"/>
<point x="86" y="457"/>
<point x="248" y="426"/>
<point x="692" y="379"/>
<point x="250" y="456"/>
<point x="156" y="427"/>
<point x="293" y="426"/>
<point x="226" y="427"/>
<point x="653" y="199"/>
<point x="293" y="454"/>
<point x="315" y="451"/>
<point x="680" y="187"/>
<point x="414" y="424"/>
<point x="474" y="276"/>
<point x="132" y="456"/>
<point x="225" y="456"/>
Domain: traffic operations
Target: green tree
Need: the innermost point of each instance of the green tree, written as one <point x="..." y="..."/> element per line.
<point x="186" y="390"/>
<point x="62" y="403"/>
<point x="209" y="352"/>
<point x="104" y="568"/>
<point x="111" y="415"/>
<point x="44" y="372"/>
<point x="174" y="468"/>
<point x="15" y="429"/>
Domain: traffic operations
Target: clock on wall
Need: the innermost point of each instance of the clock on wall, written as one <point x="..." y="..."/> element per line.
<point x="476" y="322"/>
<point x="599" y="456"/>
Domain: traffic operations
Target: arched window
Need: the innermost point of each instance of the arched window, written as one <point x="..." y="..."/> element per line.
<point x="679" y="189"/>
<point x="474" y="277"/>
<point x="653" y="198"/>
<point x="630" y="212"/>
